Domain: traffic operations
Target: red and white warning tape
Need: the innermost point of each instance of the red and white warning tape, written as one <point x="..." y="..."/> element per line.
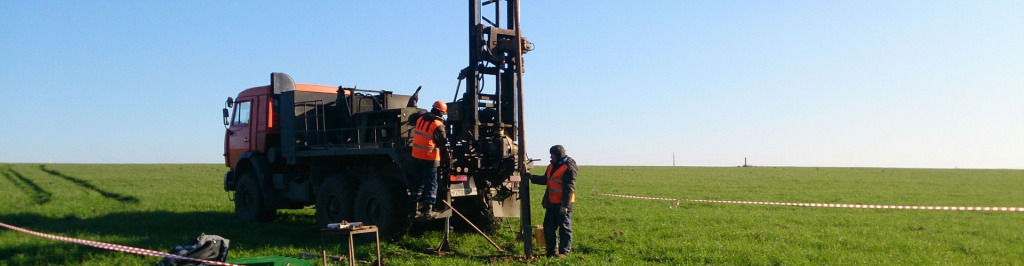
<point x="676" y="204"/>
<point x="113" y="247"/>
<point x="831" y="205"/>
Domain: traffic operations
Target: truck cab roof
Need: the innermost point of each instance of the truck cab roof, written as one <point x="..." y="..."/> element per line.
<point x="264" y="90"/>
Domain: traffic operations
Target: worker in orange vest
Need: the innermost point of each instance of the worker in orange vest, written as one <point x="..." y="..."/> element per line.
<point x="559" y="198"/>
<point x="428" y="147"/>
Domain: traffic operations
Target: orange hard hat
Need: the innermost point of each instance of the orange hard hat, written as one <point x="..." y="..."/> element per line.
<point x="441" y="106"/>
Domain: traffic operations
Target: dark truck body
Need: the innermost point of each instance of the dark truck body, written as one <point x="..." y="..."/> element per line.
<point x="347" y="151"/>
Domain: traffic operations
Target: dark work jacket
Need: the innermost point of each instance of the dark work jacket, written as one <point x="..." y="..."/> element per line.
<point x="568" y="184"/>
<point x="440" y="139"/>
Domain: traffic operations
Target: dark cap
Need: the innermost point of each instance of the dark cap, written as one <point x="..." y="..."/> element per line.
<point x="558" y="151"/>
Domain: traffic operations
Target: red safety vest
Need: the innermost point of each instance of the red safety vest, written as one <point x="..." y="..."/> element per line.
<point x="555" y="184"/>
<point x="423" y="145"/>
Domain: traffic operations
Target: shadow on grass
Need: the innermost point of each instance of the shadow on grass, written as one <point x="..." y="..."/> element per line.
<point x="291" y="232"/>
<point x="460" y="237"/>
<point x="90" y="186"/>
<point x="158" y="231"/>
<point x="39" y="195"/>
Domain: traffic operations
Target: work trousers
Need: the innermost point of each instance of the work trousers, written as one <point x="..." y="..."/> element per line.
<point x="425" y="185"/>
<point x="554" y="220"/>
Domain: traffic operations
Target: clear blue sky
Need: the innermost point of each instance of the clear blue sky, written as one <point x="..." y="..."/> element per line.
<point x="935" y="84"/>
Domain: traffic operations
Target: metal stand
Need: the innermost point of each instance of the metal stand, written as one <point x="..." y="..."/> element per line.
<point x="445" y="248"/>
<point x="351" y="245"/>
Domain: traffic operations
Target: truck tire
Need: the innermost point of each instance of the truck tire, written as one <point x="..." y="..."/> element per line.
<point x="383" y="204"/>
<point x="249" y="205"/>
<point x="334" y="202"/>
<point x="478" y="210"/>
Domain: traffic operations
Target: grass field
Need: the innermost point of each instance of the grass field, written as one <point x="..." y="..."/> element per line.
<point x="160" y="206"/>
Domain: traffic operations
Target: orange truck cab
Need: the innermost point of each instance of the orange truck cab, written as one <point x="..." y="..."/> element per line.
<point x="253" y="119"/>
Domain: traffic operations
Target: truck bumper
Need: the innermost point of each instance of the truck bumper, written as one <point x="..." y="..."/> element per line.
<point x="229" y="182"/>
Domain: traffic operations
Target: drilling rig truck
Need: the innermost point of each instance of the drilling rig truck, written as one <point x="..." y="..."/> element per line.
<point x="346" y="151"/>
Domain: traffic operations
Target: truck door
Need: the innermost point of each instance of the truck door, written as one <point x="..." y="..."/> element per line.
<point x="239" y="135"/>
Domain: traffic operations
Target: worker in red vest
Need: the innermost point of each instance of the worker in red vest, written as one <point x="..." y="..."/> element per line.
<point x="428" y="147"/>
<point x="559" y="198"/>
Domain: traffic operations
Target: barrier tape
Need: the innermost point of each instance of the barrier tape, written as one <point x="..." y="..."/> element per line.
<point x="676" y="204"/>
<point x="829" y="205"/>
<point x="113" y="247"/>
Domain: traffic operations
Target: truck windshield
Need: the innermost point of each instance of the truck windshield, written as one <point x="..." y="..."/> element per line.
<point x="241" y="116"/>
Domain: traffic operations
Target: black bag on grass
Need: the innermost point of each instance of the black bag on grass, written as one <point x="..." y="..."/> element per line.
<point x="204" y="247"/>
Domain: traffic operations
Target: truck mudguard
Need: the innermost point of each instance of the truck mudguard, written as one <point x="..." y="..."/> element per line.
<point x="258" y="163"/>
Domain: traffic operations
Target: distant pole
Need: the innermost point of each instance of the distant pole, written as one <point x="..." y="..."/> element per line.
<point x="673" y="159"/>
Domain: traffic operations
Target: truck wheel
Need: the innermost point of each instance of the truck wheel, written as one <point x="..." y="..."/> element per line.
<point x="478" y="210"/>
<point x="384" y="205"/>
<point x="334" y="202"/>
<point x="249" y="205"/>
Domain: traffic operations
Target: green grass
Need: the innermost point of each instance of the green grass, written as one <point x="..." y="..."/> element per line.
<point x="160" y="206"/>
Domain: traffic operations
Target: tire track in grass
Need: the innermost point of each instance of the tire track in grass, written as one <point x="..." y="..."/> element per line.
<point x="39" y="195"/>
<point x="90" y="186"/>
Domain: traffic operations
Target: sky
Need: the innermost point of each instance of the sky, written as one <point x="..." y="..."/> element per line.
<point x="907" y="84"/>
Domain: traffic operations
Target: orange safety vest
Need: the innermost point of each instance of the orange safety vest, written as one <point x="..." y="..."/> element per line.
<point x="423" y="145"/>
<point x="555" y="184"/>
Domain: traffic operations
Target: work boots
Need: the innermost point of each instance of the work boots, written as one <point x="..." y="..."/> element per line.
<point x="424" y="210"/>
